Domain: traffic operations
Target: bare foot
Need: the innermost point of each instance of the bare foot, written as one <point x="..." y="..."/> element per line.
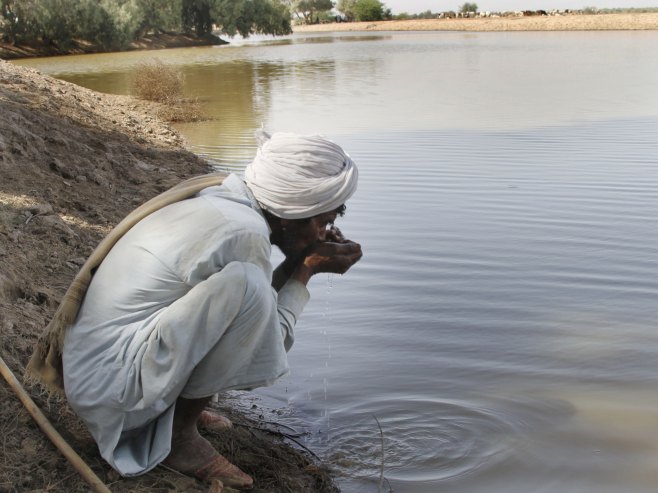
<point x="211" y="420"/>
<point x="189" y="452"/>
<point x="194" y="455"/>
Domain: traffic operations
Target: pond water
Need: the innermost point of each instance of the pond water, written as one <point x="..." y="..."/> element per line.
<point x="501" y="327"/>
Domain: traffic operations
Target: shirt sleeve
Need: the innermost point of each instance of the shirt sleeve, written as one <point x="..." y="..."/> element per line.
<point x="252" y="247"/>
<point x="292" y="299"/>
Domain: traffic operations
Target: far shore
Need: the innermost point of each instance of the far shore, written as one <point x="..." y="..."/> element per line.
<point x="571" y="22"/>
<point x="595" y="22"/>
<point x="161" y="41"/>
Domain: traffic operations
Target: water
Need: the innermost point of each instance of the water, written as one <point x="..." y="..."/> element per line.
<point x="501" y="325"/>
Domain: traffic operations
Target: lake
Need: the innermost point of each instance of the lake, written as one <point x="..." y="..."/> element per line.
<point x="501" y="326"/>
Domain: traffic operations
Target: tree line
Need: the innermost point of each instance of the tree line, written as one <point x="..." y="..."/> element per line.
<point x="114" y="24"/>
<point x="315" y="11"/>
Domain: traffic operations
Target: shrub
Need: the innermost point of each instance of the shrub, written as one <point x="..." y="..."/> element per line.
<point x="369" y="10"/>
<point x="155" y="81"/>
<point x="163" y="84"/>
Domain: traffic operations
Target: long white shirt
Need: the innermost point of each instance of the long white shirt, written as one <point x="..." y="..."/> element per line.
<point x="126" y="362"/>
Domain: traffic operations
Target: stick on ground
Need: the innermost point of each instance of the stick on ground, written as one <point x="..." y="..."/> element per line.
<point x="54" y="436"/>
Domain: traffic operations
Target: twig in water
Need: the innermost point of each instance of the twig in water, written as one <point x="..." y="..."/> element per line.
<point x="273" y="423"/>
<point x="282" y="435"/>
<point x="381" y="474"/>
<point x="304" y="447"/>
<point x="272" y="431"/>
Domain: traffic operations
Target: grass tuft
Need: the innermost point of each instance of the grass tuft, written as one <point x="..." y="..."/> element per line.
<point x="163" y="84"/>
<point x="155" y="81"/>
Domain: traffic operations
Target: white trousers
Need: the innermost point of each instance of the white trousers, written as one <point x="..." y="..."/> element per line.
<point x="223" y="334"/>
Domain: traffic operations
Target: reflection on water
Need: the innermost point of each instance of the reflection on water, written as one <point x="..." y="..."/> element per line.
<point x="501" y="325"/>
<point x="242" y="99"/>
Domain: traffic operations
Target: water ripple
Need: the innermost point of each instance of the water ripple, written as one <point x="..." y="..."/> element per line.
<point x="433" y="439"/>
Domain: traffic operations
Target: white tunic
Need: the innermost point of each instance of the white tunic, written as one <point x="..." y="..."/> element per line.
<point x="181" y="306"/>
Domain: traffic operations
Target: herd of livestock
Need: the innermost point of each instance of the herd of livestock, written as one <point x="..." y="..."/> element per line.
<point x="517" y="13"/>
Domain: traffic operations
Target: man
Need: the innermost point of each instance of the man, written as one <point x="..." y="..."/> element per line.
<point x="186" y="304"/>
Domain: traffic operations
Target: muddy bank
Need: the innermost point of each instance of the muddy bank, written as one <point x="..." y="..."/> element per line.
<point x="72" y="164"/>
<point x="602" y="22"/>
<point x="151" y="42"/>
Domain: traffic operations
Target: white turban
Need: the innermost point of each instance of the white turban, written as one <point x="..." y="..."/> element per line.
<point x="300" y="176"/>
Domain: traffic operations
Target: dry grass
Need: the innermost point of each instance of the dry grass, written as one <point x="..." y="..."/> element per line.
<point x="183" y="110"/>
<point x="161" y="83"/>
<point x="155" y="81"/>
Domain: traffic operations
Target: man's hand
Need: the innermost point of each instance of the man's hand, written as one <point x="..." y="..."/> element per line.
<point x="328" y="256"/>
<point x="333" y="257"/>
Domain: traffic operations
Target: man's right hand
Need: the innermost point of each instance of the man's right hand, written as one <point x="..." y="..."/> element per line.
<point x="328" y="256"/>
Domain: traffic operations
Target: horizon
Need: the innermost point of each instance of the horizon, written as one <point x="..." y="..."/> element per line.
<point x="418" y="6"/>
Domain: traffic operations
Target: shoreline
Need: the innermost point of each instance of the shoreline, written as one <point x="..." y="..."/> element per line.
<point x="645" y="21"/>
<point x="151" y="42"/>
<point x="570" y="22"/>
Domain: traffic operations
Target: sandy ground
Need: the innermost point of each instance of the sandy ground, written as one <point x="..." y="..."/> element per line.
<point x="602" y="22"/>
<point x="73" y="163"/>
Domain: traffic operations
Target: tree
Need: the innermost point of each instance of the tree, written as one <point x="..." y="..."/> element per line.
<point x="110" y="24"/>
<point x="232" y="17"/>
<point x="369" y="10"/>
<point x="247" y="17"/>
<point x="308" y="9"/>
<point x="60" y="23"/>
<point x="195" y="16"/>
<point x="468" y="7"/>
<point x="158" y="15"/>
<point x="16" y="23"/>
<point x="346" y="7"/>
<point x="113" y="24"/>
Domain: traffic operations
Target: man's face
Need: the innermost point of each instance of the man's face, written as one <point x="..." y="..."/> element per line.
<point x="300" y="234"/>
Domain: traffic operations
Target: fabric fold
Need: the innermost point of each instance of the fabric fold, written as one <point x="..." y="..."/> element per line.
<point x="300" y="176"/>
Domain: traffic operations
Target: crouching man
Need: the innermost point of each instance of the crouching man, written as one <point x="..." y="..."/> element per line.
<point x="186" y="304"/>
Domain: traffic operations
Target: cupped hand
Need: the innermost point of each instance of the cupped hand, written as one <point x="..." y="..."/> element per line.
<point x="328" y="256"/>
<point x="333" y="257"/>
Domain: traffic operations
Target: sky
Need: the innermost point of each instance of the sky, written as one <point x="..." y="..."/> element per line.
<point x="416" y="6"/>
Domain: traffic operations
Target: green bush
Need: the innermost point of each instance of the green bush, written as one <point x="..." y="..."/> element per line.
<point x="368" y="10"/>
